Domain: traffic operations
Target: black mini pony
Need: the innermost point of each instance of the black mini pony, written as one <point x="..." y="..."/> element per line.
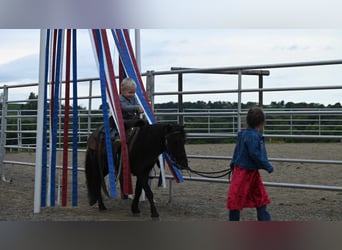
<point x="149" y="142"/>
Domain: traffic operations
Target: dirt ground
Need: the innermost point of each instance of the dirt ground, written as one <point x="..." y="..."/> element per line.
<point x="194" y="201"/>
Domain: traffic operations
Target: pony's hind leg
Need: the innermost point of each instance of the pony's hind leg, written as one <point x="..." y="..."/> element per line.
<point x="93" y="180"/>
<point x="138" y="189"/>
<point x="149" y="195"/>
<point x="102" y="207"/>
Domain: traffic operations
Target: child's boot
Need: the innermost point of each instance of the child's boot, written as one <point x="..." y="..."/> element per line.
<point x="263" y="214"/>
<point x="234" y="215"/>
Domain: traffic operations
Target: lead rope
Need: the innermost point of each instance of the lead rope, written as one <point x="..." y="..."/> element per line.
<point x="213" y="174"/>
<point x="206" y="174"/>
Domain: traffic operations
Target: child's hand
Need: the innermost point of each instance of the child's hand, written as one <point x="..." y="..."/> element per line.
<point x="270" y="170"/>
<point x="140" y="111"/>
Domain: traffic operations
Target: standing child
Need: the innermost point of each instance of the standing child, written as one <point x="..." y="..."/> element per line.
<point x="246" y="189"/>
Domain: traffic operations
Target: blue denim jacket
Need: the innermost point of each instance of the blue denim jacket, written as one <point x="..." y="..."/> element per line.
<point x="250" y="151"/>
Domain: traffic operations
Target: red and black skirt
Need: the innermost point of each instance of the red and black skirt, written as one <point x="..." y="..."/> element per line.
<point x="246" y="190"/>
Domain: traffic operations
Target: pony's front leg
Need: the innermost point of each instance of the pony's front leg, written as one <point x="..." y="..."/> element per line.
<point x="149" y="195"/>
<point x="135" y="204"/>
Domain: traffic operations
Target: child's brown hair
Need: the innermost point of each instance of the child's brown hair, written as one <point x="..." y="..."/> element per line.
<point x="255" y="117"/>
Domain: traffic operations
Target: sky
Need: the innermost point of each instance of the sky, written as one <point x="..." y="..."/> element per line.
<point x="162" y="49"/>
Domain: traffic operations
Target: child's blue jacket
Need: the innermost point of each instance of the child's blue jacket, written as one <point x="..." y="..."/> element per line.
<point x="129" y="107"/>
<point x="250" y="151"/>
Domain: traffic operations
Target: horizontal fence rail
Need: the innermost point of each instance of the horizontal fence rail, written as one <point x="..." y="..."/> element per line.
<point x="249" y="90"/>
<point x="237" y="69"/>
<point x="290" y="123"/>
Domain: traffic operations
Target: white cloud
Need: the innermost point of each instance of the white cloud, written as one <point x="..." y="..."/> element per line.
<point x="23" y="68"/>
<point x="213" y="48"/>
<point x="15" y="44"/>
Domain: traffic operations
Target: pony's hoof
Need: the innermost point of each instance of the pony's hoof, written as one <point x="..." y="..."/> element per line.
<point x="155" y="218"/>
<point x="135" y="209"/>
<point x="92" y="202"/>
<point x="124" y="197"/>
<point x="155" y="215"/>
<point x="136" y="214"/>
<point x="102" y="208"/>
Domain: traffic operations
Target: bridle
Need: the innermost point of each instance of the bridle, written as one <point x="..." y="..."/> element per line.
<point x="167" y="149"/>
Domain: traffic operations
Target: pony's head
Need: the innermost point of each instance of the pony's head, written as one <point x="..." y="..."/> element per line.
<point x="174" y="143"/>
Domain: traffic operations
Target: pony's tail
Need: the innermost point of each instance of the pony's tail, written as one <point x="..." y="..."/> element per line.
<point x="92" y="176"/>
<point x="103" y="183"/>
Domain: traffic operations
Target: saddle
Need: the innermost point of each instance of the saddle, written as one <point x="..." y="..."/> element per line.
<point x="134" y="123"/>
<point x="132" y="128"/>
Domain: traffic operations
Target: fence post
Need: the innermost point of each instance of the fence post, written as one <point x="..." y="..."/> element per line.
<point x="150" y="87"/>
<point x="89" y="107"/>
<point x="239" y="99"/>
<point x="3" y="125"/>
<point x="209" y="127"/>
<point x="261" y="94"/>
<point x="180" y="99"/>
<point x="170" y="190"/>
<point x="291" y="123"/>
<point x="19" y="127"/>
<point x="319" y="123"/>
<point x="233" y="123"/>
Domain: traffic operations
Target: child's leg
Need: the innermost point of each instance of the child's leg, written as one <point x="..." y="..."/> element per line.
<point x="263" y="214"/>
<point x="234" y="215"/>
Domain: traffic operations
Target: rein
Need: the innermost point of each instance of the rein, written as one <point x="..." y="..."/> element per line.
<point x="206" y="174"/>
<point x="212" y="174"/>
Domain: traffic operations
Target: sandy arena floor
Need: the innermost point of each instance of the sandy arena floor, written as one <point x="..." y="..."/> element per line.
<point x="194" y="201"/>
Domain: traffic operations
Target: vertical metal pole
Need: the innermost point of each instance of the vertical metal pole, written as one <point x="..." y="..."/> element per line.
<point x="239" y="100"/>
<point x="209" y="122"/>
<point x="59" y="144"/>
<point x="319" y="123"/>
<point x="261" y="93"/>
<point x="180" y="99"/>
<point x="291" y="123"/>
<point x="170" y="190"/>
<point x="3" y="127"/>
<point x="138" y="60"/>
<point x="137" y="48"/>
<point x="40" y="121"/>
<point x="89" y="105"/>
<point x="233" y="123"/>
<point x="19" y="130"/>
<point x="79" y="128"/>
<point x="150" y="87"/>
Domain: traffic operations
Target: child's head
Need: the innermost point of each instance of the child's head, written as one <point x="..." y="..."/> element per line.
<point x="128" y="88"/>
<point x="256" y="118"/>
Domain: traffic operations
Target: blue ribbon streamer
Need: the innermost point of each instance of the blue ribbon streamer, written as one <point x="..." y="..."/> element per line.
<point x="55" y="121"/>
<point x="44" y="152"/>
<point x="131" y="72"/>
<point x="105" y="117"/>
